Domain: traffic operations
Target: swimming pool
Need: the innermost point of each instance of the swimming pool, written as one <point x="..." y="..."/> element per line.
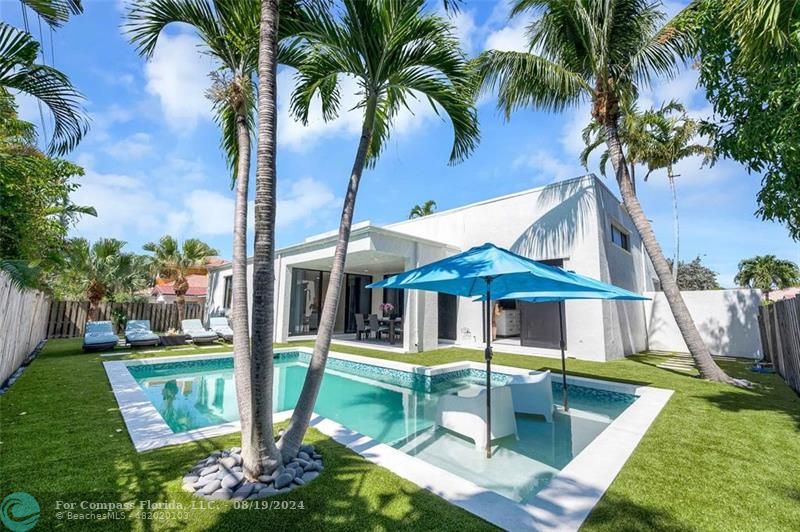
<point x="396" y="408"/>
<point x="549" y="479"/>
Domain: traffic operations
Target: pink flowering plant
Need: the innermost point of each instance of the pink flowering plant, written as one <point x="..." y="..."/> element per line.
<point x="386" y="308"/>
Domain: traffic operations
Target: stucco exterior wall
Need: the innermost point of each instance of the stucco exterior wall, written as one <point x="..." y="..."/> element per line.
<point x="727" y="321"/>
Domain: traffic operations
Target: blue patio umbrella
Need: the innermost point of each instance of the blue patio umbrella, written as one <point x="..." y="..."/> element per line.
<point x="599" y="290"/>
<point x="482" y="271"/>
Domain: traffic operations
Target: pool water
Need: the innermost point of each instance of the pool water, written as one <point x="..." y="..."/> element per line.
<point x="394" y="408"/>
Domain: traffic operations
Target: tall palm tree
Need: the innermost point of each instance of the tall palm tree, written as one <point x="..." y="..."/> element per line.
<point x="259" y="452"/>
<point x="174" y="262"/>
<point x="93" y="268"/>
<point x="19" y="71"/>
<point x="601" y="51"/>
<point x="396" y="52"/>
<point x="418" y="211"/>
<point x="229" y="30"/>
<point x="767" y="273"/>
<point x="658" y="138"/>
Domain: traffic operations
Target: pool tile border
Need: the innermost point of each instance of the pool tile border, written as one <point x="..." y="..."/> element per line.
<point x="563" y="505"/>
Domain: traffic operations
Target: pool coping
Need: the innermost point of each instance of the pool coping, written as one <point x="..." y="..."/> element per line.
<point x="562" y="505"/>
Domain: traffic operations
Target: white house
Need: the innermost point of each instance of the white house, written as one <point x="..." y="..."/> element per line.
<point x="578" y="224"/>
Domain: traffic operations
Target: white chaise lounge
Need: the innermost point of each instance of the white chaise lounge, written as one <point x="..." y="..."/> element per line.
<point x="138" y="333"/>
<point x="220" y="326"/>
<point x="99" y="336"/>
<point x="533" y="394"/>
<point x="465" y="413"/>
<point x="199" y="334"/>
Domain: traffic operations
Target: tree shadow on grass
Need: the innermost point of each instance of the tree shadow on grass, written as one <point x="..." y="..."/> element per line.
<point x="620" y="514"/>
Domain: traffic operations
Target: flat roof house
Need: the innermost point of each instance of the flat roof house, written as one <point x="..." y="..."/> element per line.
<point x="578" y="224"/>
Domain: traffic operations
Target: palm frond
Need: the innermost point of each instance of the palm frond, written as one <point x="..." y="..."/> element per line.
<point x="18" y="71"/>
<point x="55" y="12"/>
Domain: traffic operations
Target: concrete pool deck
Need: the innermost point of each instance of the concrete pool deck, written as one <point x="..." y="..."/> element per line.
<point x="562" y="505"/>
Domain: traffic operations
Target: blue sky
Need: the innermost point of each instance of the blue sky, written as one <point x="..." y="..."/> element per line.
<point x="153" y="164"/>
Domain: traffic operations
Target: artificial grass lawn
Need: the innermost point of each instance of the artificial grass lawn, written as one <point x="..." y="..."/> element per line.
<point x="717" y="457"/>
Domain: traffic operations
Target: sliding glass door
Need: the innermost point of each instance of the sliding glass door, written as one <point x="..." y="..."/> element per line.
<point x="308" y="292"/>
<point x="358" y="299"/>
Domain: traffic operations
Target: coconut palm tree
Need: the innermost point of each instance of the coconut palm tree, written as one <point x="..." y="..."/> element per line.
<point x="418" y="211"/>
<point x="767" y="273"/>
<point x="603" y="52"/>
<point x="658" y="138"/>
<point x="174" y="262"/>
<point x="19" y="71"/>
<point x="396" y="52"/>
<point x="92" y="268"/>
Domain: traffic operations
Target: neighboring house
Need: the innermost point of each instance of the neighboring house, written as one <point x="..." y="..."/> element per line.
<point x="784" y="293"/>
<point x="578" y="224"/>
<point x="164" y="291"/>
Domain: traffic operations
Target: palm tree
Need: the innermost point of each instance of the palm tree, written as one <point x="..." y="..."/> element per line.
<point x="20" y="72"/>
<point x="396" y="52"/>
<point x="603" y="52"/>
<point x="174" y="262"/>
<point x="659" y="139"/>
<point x="767" y="273"/>
<point x="55" y="12"/>
<point x="259" y="452"/>
<point x="93" y="269"/>
<point x="229" y="30"/>
<point x="418" y="211"/>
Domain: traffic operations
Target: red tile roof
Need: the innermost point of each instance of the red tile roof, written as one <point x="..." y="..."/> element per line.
<point x="198" y="285"/>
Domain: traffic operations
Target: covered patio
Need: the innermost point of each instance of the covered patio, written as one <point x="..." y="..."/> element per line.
<point x="373" y="254"/>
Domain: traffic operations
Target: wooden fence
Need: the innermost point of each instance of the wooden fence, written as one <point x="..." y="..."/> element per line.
<point x="779" y="324"/>
<point x="68" y="318"/>
<point x="23" y="324"/>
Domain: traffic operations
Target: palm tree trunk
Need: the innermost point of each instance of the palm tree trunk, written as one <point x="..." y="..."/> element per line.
<point x="180" y="303"/>
<point x="93" y="306"/>
<point x="699" y="351"/>
<point x="676" y="228"/>
<point x="290" y="443"/>
<point x="239" y="305"/>
<point x="259" y="452"/>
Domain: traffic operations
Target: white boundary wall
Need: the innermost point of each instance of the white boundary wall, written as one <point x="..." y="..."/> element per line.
<point x="727" y="321"/>
<point x="23" y="324"/>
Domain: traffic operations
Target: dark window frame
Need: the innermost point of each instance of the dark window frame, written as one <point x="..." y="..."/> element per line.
<point x="624" y="239"/>
<point x="227" y="291"/>
<point x="401" y="297"/>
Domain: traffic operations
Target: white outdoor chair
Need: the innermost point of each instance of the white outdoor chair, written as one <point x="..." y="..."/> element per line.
<point x="533" y="394"/>
<point x="199" y="334"/>
<point x="220" y="326"/>
<point x="465" y="413"/>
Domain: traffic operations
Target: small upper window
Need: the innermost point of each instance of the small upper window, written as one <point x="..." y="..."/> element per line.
<point x="228" y="292"/>
<point x="620" y="237"/>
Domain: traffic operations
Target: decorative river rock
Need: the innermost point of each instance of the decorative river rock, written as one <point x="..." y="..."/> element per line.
<point x="220" y="476"/>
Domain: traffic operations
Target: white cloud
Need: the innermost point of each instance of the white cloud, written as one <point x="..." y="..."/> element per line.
<point x="510" y="38"/>
<point x="465" y="28"/>
<point x="178" y="75"/>
<point x="134" y="146"/>
<point x="546" y="166"/>
<point x="308" y="200"/>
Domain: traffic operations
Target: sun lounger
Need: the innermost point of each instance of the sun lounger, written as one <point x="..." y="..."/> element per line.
<point x="465" y="413"/>
<point x="199" y="334"/>
<point x="99" y="336"/>
<point x="220" y="326"/>
<point x="138" y="333"/>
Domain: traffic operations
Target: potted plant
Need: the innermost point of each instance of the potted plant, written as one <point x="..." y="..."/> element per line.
<point x="387" y="309"/>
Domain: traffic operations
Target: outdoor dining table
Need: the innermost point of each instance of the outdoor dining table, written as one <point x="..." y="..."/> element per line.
<point x="392" y="323"/>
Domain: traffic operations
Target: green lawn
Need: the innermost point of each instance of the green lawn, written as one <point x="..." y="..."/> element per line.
<point x="717" y="458"/>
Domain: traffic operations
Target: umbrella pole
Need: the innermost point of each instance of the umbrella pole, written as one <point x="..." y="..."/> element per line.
<point x="563" y="355"/>
<point x="488" y="357"/>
